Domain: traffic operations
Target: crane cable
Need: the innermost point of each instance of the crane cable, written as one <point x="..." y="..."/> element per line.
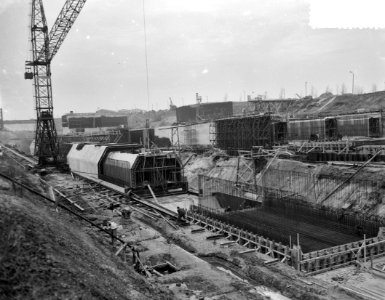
<point x="146" y="56"/>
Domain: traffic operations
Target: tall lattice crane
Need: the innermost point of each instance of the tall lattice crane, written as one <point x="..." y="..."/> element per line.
<point x="44" y="47"/>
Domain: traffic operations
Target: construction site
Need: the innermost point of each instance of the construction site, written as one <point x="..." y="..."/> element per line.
<point x="256" y="199"/>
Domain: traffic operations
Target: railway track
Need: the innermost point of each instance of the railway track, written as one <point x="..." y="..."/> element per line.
<point x="96" y="196"/>
<point x="88" y="194"/>
<point x="21" y="159"/>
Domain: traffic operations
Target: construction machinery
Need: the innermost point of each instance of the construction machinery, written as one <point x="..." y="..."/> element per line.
<point x="45" y="44"/>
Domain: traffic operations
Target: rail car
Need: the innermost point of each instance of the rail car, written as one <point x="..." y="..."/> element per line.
<point x="335" y="127"/>
<point x="127" y="166"/>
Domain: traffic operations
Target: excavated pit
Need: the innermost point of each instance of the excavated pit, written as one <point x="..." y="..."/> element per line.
<point x="287" y="220"/>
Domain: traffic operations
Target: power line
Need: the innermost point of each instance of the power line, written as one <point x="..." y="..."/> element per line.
<point x="145" y="53"/>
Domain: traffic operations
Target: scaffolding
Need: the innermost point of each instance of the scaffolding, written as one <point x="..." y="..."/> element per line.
<point x="212" y="134"/>
<point x="162" y="171"/>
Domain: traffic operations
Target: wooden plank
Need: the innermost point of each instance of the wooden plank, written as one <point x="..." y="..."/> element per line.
<point x="271" y="261"/>
<point x="215" y="237"/>
<point x="143" y="213"/>
<point x="152" y="194"/>
<point x="121" y="248"/>
<point x="170" y="264"/>
<point x="157" y="273"/>
<point x="197" y="230"/>
<point x="168" y="222"/>
<point x="246" y="251"/>
<point x="227" y="243"/>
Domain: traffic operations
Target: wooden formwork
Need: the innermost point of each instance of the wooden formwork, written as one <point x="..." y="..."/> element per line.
<point x="335" y="257"/>
<point x="310" y="263"/>
<point x="245" y="238"/>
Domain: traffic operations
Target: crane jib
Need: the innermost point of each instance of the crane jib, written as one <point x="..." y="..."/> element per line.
<point x="44" y="46"/>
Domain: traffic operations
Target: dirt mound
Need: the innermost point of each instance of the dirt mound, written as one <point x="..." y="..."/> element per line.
<point x="332" y="104"/>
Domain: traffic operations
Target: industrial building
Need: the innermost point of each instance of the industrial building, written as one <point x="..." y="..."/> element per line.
<point x="73" y="123"/>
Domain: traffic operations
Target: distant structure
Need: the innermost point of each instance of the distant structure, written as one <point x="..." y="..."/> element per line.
<point x="172" y="105"/>
<point x="262" y="105"/>
<point x="74" y="123"/>
<point x="242" y="133"/>
<point x="1" y="119"/>
<point x="203" y="111"/>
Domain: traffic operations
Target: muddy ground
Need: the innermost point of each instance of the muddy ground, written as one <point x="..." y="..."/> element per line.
<point x="51" y="254"/>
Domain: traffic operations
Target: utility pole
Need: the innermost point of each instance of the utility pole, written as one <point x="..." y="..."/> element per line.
<point x="1" y="119"/>
<point x="305" y="88"/>
<point x="352" y="81"/>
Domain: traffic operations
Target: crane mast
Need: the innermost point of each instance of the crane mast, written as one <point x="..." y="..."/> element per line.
<point x="44" y="46"/>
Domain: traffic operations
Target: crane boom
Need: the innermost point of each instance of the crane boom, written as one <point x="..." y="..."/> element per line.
<point x="63" y="24"/>
<point x="44" y="47"/>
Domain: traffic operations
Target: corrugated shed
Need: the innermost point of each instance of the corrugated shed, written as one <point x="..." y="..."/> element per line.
<point x="117" y="167"/>
<point x="123" y="156"/>
<point x="84" y="158"/>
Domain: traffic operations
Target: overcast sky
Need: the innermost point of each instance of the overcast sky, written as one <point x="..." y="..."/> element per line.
<point x="223" y="49"/>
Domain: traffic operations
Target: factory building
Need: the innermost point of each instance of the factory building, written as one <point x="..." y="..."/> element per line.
<point x="92" y="122"/>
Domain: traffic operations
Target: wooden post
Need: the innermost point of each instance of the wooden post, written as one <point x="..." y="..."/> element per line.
<point x="152" y="193"/>
<point x="364" y="248"/>
<point x="299" y="255"/>
<point x="53" y="198"/>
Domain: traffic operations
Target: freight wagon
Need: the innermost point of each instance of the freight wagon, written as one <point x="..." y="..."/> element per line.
<point x="126" y="166"/>
<point x="336" y="127"/>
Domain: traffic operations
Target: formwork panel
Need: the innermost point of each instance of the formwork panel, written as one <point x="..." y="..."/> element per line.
<point x="282" y="216"/>
<point x="244" y="133"/>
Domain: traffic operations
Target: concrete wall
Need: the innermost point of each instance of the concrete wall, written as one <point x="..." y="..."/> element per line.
<point x="189" y="135"/>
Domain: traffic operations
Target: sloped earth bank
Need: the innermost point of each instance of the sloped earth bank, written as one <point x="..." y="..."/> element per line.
<point x="364" y="193"/>
<point x="49" y="255"/>
<point x="214" y="164"/>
